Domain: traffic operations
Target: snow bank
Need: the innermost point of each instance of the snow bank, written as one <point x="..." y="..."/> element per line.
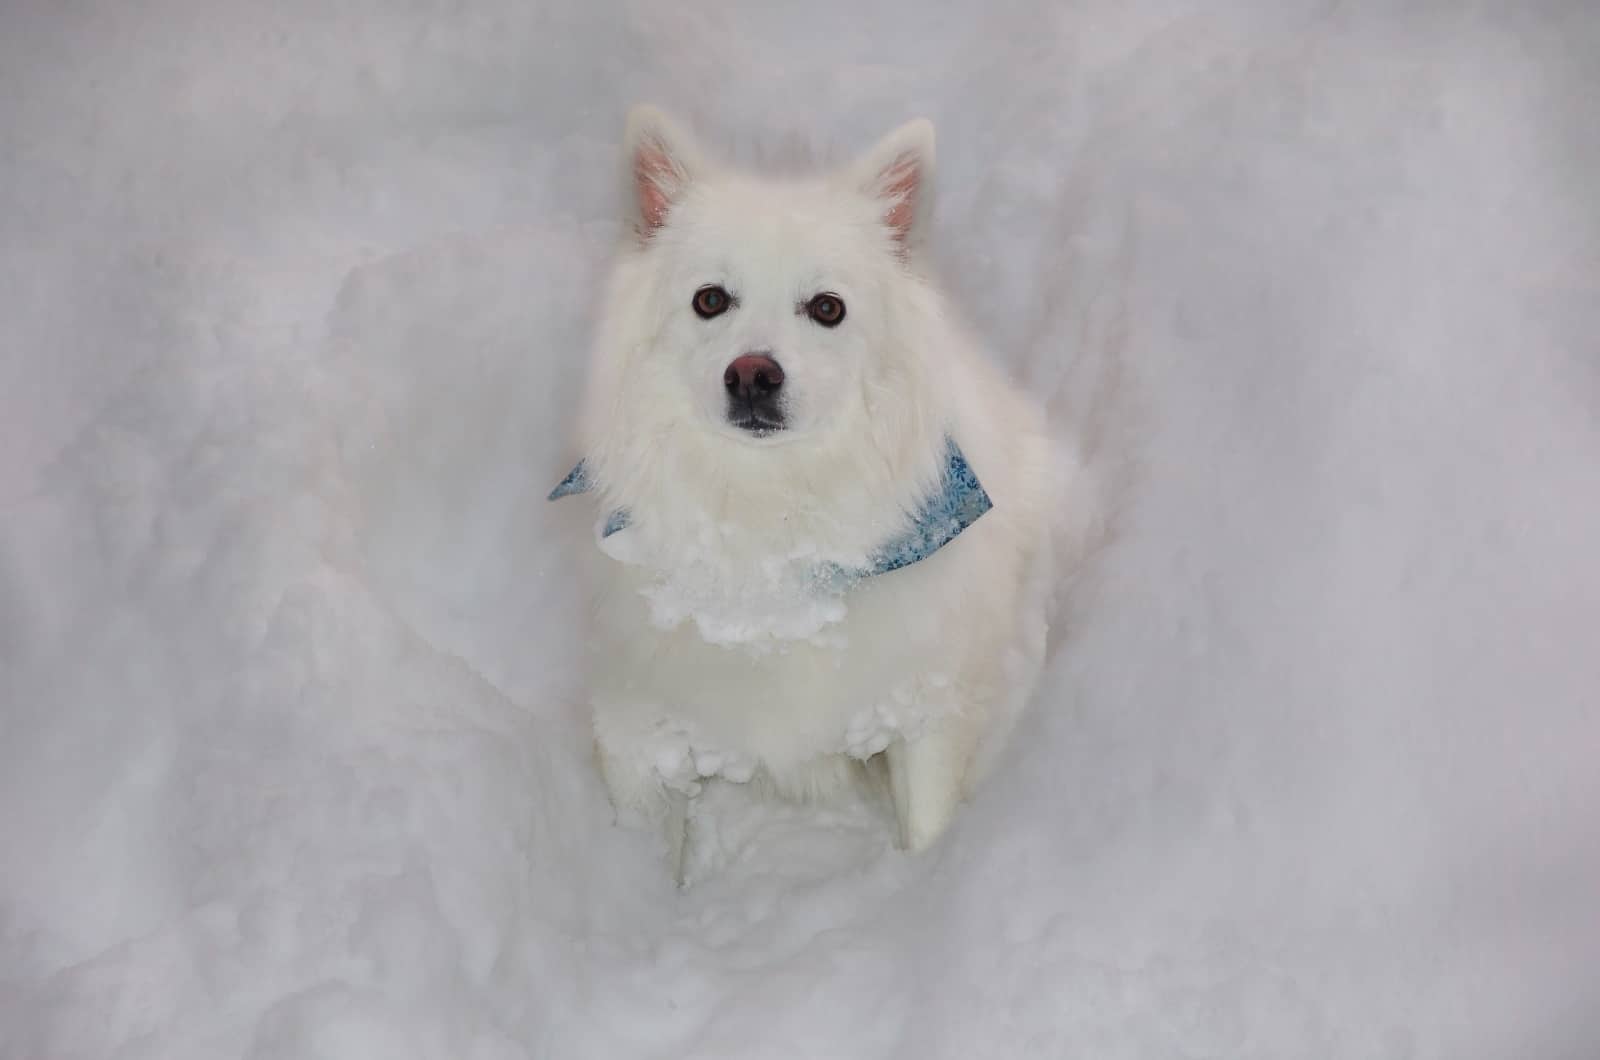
<point x="292" y="762"/>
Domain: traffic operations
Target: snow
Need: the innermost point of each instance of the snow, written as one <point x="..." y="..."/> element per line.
<point x="787" y="598"/>
<point x="292" y="755"/>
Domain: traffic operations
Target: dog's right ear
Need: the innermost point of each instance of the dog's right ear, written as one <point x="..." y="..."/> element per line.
<point x="660" y="161"/>
<point x="898" y="174"/>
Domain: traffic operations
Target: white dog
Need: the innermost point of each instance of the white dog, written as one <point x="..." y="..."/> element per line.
<point x="824" y="517"/>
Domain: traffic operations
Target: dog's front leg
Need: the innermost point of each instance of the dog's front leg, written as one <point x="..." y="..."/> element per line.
<point x="676" y="831"/>
<point x="642" y="795"/>
<point x="927" y="778"/>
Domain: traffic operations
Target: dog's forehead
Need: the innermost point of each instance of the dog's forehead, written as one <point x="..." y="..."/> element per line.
<point x="747" y="222"/>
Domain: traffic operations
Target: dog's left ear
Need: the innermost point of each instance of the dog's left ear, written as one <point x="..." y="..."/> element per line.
<point x="898" y="173"/>
<point x="661" y="160"/>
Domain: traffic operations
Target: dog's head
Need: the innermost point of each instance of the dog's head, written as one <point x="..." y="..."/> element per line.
<point x="763" y="312"/>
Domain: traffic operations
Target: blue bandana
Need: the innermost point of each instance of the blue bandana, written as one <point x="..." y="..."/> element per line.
<point x="956" y="505"/>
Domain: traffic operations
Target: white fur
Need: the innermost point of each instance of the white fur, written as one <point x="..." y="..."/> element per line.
<point x="715" y="652"/>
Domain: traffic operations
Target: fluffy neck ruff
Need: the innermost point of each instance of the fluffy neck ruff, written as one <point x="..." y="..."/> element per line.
<point x="754" y="583"/>
<point x="834" y="502"/>
<point x="958" y="502"/>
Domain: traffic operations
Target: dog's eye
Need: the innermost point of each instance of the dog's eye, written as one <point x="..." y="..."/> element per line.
<point x="711" y="302"/>
<point x="826" y="309"/>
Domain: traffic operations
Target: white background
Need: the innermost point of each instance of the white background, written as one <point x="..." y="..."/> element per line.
<point x="294" y="301"/>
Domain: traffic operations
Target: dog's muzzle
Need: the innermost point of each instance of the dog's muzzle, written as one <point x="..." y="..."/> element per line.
<point x="754" y="383"/>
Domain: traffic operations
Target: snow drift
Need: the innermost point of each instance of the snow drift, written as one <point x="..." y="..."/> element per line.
<point x="292" y="757"/>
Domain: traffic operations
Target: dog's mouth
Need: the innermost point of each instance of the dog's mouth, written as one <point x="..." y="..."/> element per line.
<point x="756" y="425"/>
<point x="757" y="418"/>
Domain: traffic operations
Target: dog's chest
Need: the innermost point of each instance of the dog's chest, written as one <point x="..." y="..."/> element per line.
<point x="879" y="665"/>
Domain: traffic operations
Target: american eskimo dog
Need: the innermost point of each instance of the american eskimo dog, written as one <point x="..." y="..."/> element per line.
<point x="822" y="515"/>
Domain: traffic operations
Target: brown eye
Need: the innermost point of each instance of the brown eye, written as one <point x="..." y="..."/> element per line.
<point x="826" y="309"/>
<point x="711" y="302"/>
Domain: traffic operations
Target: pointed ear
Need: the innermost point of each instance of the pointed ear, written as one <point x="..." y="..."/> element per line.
<point x="660" y="160"/>
<point x="898" y="173"/>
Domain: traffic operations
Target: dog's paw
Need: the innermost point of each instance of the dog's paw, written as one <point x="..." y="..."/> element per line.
<point x="927" y="778"/>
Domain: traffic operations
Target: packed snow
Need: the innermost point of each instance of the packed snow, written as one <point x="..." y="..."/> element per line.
<point x="294" y="302"/>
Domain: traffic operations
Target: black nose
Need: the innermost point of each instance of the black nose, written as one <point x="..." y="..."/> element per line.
<point x="753" y="376"/>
